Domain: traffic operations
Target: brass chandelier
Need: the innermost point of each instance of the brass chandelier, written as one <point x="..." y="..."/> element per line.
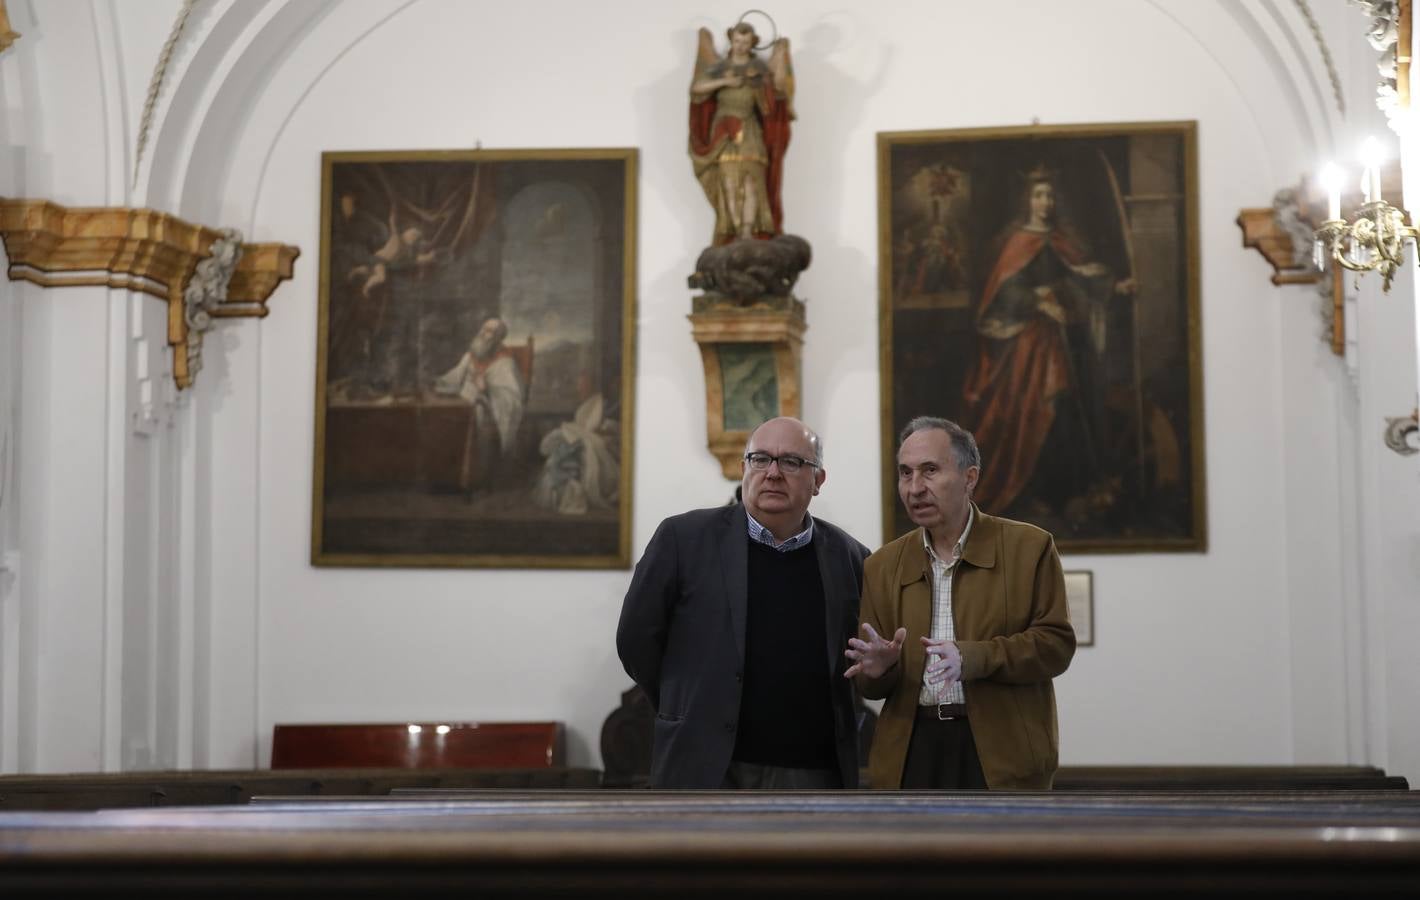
<point x="1376" y="239"/>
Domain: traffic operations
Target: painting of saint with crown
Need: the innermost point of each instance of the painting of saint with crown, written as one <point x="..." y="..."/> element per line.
<point x="1039" y="286"/>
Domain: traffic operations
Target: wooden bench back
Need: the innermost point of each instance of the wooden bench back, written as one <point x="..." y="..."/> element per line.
<point x="419" y="745"/>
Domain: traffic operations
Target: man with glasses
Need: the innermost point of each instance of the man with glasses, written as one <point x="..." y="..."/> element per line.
<point x="734" y="626"/>
<point x="975" y="606"/>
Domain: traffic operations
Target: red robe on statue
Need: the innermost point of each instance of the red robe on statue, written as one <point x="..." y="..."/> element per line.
<point x="707" y="138"/>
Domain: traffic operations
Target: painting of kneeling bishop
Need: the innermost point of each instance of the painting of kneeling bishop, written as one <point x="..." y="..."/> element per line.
<point x="474" y="360"/>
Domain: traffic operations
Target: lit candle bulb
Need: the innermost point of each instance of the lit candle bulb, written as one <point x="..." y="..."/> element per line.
<point x="1331" y="177"/>
<point x="1372" y="156"/>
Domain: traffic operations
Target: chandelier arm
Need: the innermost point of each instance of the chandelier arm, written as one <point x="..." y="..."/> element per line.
<point x="1352" y="266"/>
<point x="1375" y="241"/>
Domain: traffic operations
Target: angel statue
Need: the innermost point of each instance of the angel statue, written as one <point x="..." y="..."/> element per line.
<point x="740" y="109"/>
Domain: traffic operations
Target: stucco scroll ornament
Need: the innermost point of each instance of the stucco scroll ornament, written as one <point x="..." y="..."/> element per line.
<point x="1383" y="35"/>
<point x="1287" y="210"/>
<point x="207" y="289"/>
<point x="1399" y="430"/>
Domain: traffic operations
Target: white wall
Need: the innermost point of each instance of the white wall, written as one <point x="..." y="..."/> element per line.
<point x="65" y="433"/>
<point x="1199" y="657"/>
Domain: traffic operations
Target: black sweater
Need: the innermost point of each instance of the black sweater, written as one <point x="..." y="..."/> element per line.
<point x="786" y="709"/>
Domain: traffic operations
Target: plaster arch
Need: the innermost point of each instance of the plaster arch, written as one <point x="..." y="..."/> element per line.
<point x="228" y="109"/>
<point x="219" y="158"/>
<point x="1271" y="57"/>
<point x="230" y="70"/>
<point x="194" y="74"/>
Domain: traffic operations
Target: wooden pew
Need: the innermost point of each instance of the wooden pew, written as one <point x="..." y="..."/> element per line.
<point x="90" y="791"/>
<point x="120" y="790"/>
<point x="1226" y="778"/>
<point x="710" y="843"/>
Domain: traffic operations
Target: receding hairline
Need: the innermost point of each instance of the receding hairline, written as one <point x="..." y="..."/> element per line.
<point x="815" y="442"/>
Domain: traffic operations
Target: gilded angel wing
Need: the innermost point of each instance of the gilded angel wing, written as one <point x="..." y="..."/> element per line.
<point x="781" y="68"/>
<point x="705" y="57"/>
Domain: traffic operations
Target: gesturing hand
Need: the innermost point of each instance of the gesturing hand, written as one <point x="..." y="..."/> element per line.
<point x="874" y="656"/>
<point x="945" y="670"/>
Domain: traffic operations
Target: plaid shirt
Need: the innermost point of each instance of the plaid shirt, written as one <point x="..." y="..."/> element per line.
<point x="942" y="624"/>
<point x="761" y="535"/>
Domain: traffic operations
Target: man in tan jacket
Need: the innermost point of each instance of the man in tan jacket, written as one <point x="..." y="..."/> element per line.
<point x="982" y="598"/>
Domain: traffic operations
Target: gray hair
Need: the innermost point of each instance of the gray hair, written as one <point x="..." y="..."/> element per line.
<point x="963" y="442"/>
<point x="815" y="442"/>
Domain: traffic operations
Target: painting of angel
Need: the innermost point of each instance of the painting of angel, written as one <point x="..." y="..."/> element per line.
<point x="474" y="370"/>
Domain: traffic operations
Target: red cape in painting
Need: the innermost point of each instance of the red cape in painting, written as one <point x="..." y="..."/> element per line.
<point x="1010" y="392"/>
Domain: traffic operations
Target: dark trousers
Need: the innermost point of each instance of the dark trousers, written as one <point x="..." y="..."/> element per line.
<point x="745" y="775"/>
<point x="942" y="755"/>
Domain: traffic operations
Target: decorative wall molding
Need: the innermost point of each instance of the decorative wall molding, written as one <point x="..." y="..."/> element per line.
<point x="155" y="83"/>
<point x="148" y="251"/>
<point x="1305" y="9"/>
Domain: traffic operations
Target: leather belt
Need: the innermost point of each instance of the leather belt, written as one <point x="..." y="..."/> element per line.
<point x="942" y="712"/>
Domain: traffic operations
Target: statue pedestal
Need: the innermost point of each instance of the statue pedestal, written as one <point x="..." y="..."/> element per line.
<point x="751" y="350"/>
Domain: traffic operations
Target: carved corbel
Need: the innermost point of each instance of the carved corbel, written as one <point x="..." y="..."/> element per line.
<point x="148" y="251"/>
<point x="1284" y="234"/>
<point x="8" y="35"/>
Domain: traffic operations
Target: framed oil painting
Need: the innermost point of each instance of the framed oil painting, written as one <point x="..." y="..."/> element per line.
<point x="475" y="359"/>
<point x="1039" y="285"/>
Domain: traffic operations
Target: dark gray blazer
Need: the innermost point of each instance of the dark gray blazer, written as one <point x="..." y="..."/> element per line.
<point x="682" y="639"/>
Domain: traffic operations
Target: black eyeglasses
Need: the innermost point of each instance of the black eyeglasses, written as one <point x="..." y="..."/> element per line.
<point x="788" y="463"/>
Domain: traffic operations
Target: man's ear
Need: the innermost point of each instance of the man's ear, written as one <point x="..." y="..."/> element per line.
<point x="819" y="476"/>
<point x="973" y="474"/>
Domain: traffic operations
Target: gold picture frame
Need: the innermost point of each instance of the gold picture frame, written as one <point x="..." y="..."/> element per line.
<point x="1040" y="286"/>
<point x="475" y="375"/>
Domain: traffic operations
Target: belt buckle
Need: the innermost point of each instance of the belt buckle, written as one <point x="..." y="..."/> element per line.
<point x="947" y="717"/>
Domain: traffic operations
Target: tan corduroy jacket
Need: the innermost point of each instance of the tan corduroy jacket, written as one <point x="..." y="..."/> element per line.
<point x="1013" y="630"/>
